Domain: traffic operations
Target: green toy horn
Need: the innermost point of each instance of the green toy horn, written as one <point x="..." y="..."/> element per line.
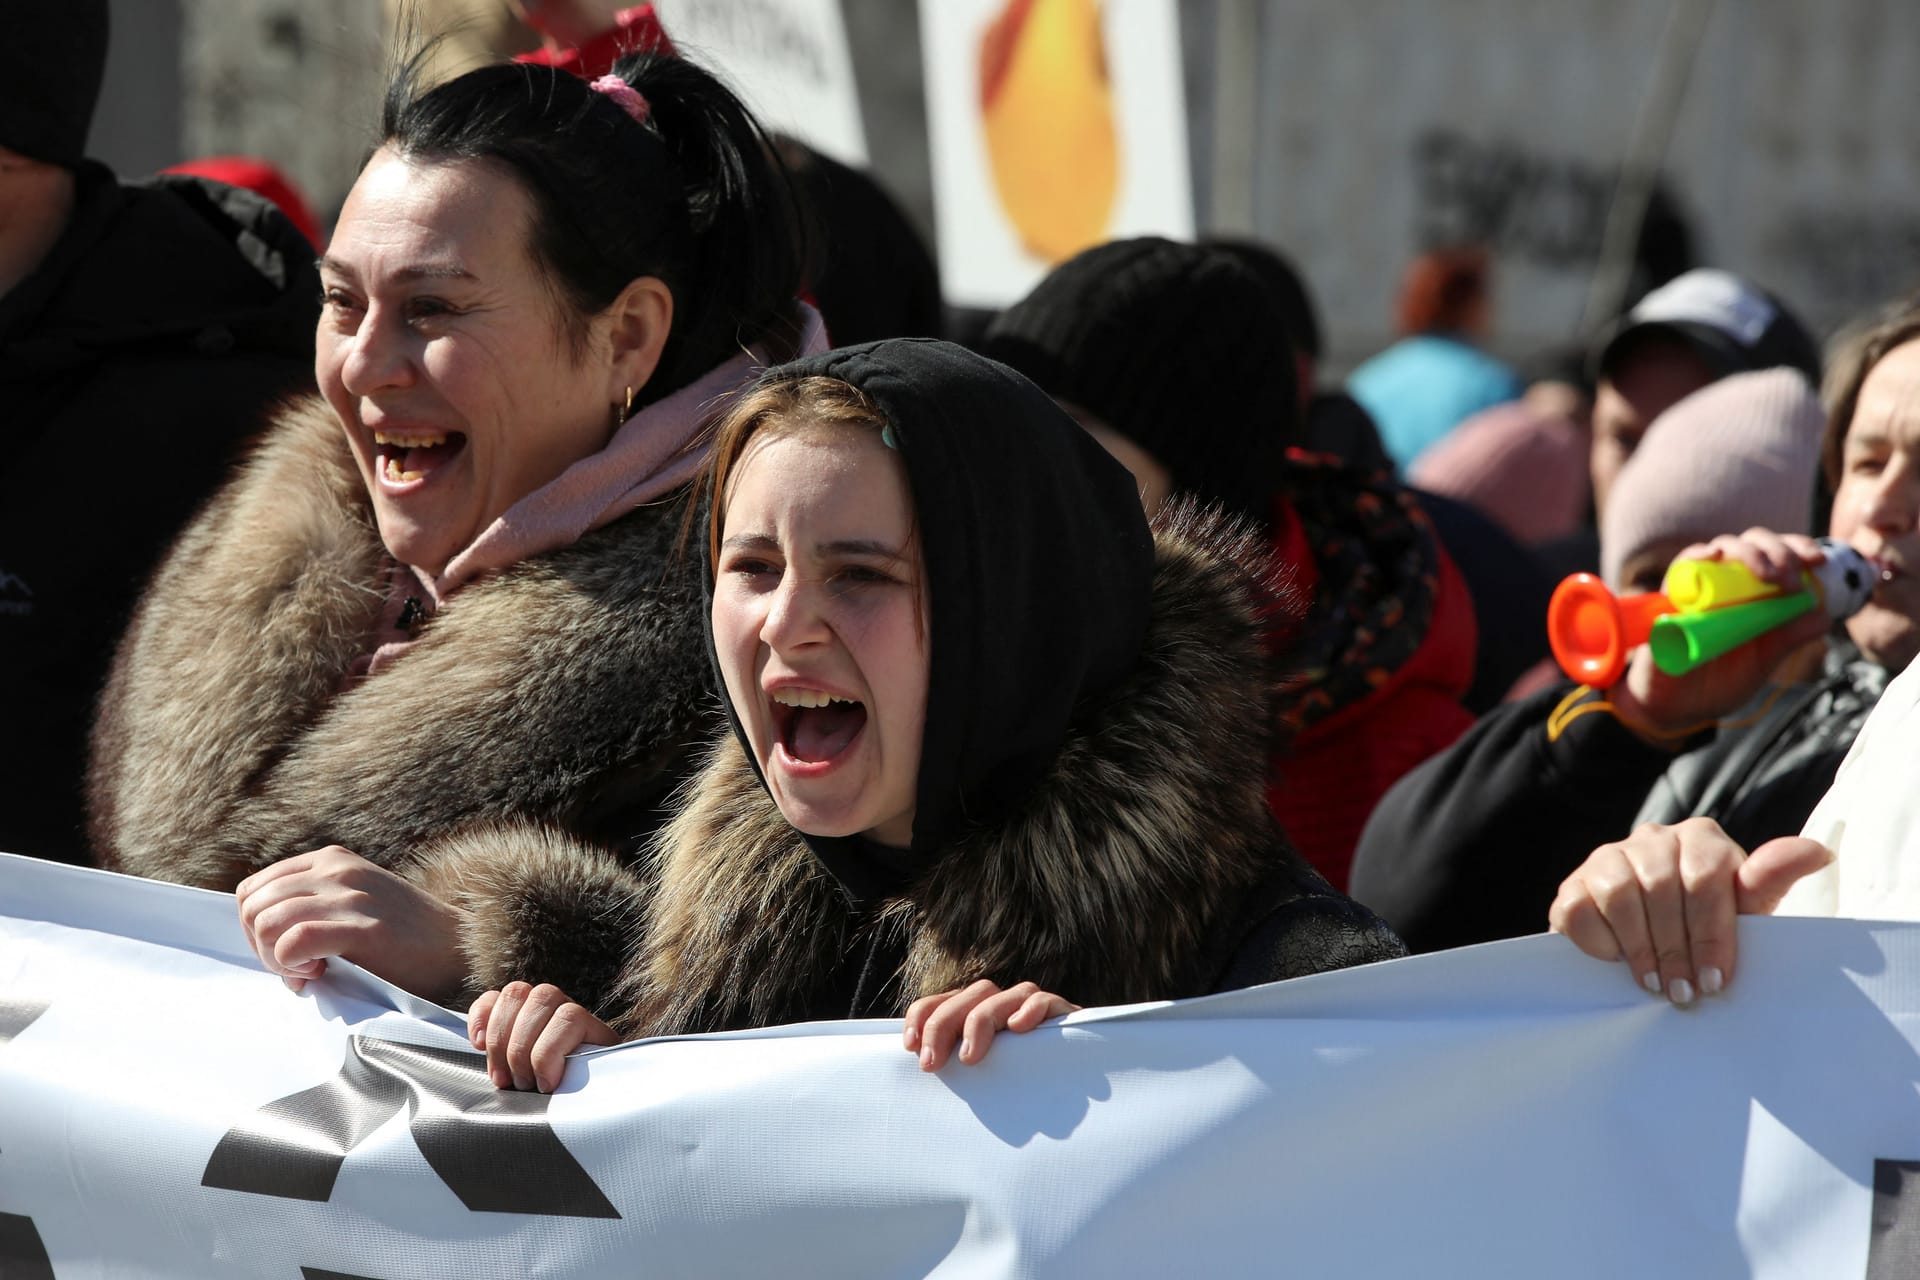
<point x="1683" y="641"/>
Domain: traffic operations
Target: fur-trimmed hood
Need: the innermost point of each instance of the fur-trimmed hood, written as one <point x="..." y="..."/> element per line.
<point x="543" y="711"/>
<point x="1143" y="865"/>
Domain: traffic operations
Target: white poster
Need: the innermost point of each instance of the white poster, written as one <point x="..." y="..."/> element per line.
<point x="1055" y="125"/>
<point x="169" y="1110"/>
<point x="788" y="59"/>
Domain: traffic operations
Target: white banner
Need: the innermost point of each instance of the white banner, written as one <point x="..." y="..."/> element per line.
<point x="167" y="1109"/>
<point x="1055" y="125"/>
<point x="787" y="58"/>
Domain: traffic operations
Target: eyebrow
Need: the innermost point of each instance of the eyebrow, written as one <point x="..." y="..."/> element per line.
<point x="861" y="547"/>
<point x="842" y="547"/>
<point x="420" y="271"/>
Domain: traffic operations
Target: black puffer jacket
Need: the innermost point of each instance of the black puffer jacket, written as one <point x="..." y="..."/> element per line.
<point x="1473" y="844"/>
<point x="133" y="362"/>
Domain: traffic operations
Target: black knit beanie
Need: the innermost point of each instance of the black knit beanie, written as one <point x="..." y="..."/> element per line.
<point x="50" y="64"/>
<point x="1180" y="348"/>
<point x="1288" y="288"/>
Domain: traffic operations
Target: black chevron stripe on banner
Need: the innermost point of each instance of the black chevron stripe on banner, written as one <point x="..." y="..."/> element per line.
<point x="22" y="1256"/>
<point x="494" y="1149"/>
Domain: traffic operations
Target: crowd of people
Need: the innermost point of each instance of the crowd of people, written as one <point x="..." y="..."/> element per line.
<point x="594" y="594"/>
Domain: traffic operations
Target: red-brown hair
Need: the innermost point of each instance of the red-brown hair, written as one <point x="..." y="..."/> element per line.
<point x="1443" y="289"/>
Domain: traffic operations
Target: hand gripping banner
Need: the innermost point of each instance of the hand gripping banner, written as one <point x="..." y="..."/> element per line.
<point x="168" y="1109"/>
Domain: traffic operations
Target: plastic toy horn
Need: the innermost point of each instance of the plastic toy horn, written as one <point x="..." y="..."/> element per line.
<point x="1704" y="608"/>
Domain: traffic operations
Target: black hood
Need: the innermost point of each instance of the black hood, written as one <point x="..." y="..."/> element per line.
<point x="1039" y="569"/>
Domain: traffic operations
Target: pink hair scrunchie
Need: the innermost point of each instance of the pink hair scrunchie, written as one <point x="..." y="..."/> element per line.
<point x="630" y="99"/>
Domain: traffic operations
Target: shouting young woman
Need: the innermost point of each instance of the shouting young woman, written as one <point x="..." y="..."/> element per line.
<point x="998" y="750"/>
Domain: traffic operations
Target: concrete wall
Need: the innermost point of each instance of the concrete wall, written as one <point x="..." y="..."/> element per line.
<point x="136" y="126"/>
<point x="293" y="81"/>
<point x="1387" y="124"/>
<point x="1377" y="126"/>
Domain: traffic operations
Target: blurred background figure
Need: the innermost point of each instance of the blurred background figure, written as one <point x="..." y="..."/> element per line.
<point x="1509" y="585"/>
<point x="877" y="278"/>
<point x="1696" y="328"/>
<point x="1522" y="464"/>
<point x="1738" y="454"/>
<point x="581" y="36"/>
<point x="1165" y="352"/>
<point x="1330" y="421"/>
<point x="263" y="178"/>
<point x="144" y="329"/>
<point x="1424" y="385"/>
<point x="1473" y="845"/>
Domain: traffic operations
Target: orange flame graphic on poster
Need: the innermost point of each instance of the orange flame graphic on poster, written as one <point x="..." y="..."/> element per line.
<point x="1047" y="107"/>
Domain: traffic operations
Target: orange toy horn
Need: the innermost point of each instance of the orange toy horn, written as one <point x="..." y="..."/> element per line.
<point x="1591" y="630"/>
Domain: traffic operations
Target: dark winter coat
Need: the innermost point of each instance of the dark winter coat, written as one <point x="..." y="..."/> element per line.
<point x="535" y="728"/>
<point x="134" y="361"/>
<point x="1473" y="845"/>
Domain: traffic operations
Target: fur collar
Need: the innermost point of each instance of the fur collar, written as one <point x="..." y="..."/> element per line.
<point x="553" y="690"/>
<point x="1125" y="877"/>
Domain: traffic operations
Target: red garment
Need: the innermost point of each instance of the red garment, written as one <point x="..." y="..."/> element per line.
<point x="1326" y="780"/>
<point x="635" y="30"/>
<point x="261" y="177"/>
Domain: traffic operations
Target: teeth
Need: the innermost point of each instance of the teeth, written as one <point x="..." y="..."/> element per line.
<point x="807" y="698"/>
<point x="407" y="440"/>
<point x="398" y="476"/>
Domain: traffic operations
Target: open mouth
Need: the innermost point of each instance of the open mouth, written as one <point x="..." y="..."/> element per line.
<point x="814" y="728"/>
<point x="406" y="458"/>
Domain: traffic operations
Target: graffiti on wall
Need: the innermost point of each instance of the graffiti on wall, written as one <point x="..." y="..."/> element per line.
<point x="1842" y="262"/>
<point x="1551" y="210"/>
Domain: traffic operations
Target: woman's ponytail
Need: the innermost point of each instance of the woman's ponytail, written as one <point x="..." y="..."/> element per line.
<point x="751" y="235"/>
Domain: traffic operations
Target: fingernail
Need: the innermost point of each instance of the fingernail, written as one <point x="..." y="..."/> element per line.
<point x="542" y="1085"/>
<point x="1680" y="991"/>
<point x="913" y="1038"/>
<point x="926" y="1058"/>
<point x="521" y="1084"/>
<point x="966" y="1051"/>
<point x="500" y="1079"/>
<point x="1711" y="980"/>
<point x="1651" y="981"/>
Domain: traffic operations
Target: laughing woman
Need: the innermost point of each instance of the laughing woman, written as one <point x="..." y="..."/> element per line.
<point x="430" y="653"/>
<point x="996" y="747"/>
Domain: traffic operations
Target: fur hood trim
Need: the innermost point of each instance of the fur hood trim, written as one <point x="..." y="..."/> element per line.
<point x="1125" y="876"/>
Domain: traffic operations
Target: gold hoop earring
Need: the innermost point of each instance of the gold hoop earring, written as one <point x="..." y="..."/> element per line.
<point x="622" y="412"/>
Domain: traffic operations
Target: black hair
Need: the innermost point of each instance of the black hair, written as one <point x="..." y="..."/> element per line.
<point x="695" y="196"/>
<point x="876" y="277"/>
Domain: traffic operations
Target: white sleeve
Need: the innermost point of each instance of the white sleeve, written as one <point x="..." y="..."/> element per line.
<point x="1870" y="818"/>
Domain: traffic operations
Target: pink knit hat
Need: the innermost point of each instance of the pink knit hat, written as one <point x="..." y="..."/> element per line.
<point x="1737" y="453"/>
<point x="1522" y="467"/>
